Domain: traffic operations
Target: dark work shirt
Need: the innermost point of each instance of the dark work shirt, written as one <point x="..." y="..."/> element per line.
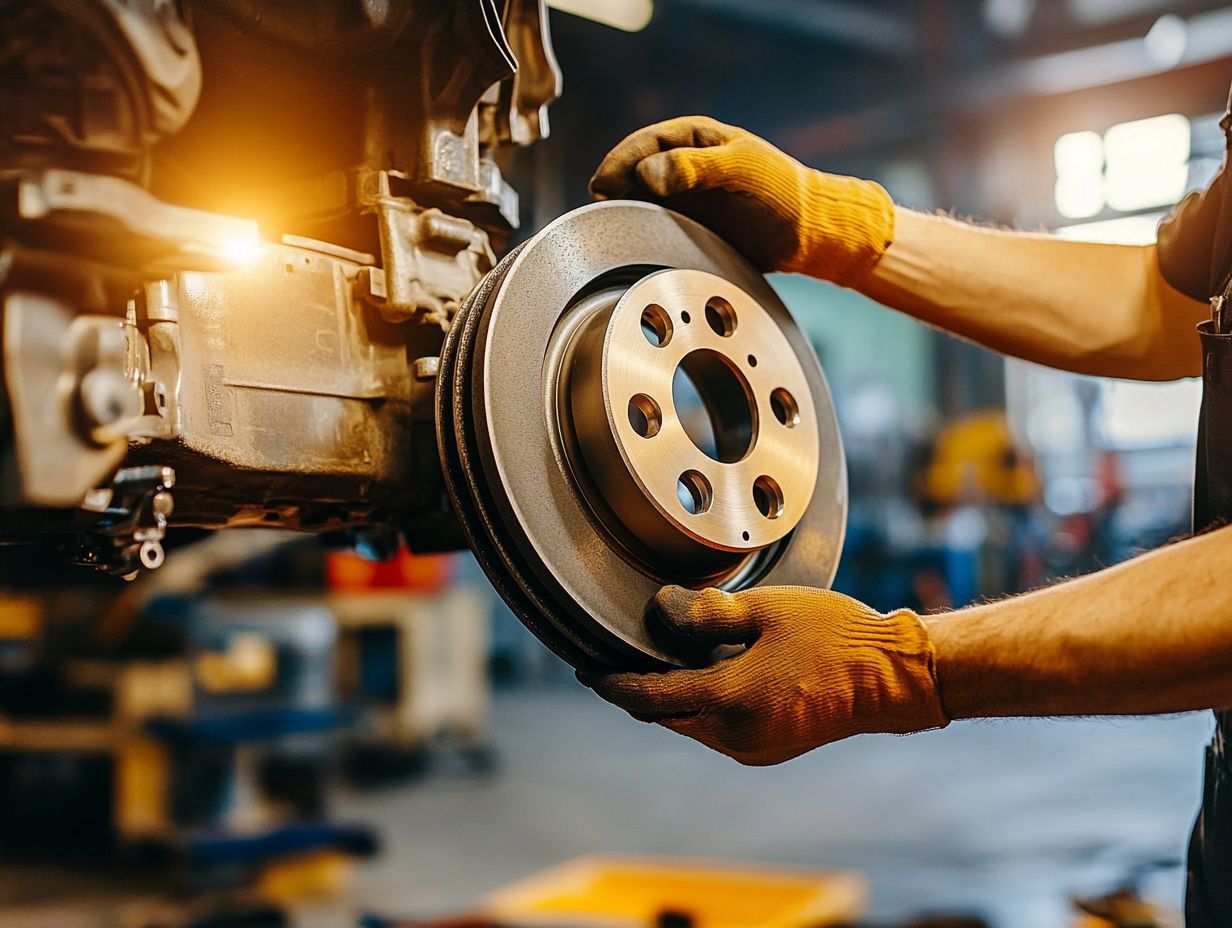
<point x="1195" y="242"/>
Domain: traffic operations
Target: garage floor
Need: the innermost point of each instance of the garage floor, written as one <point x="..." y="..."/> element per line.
<point x="1003" y="819"/>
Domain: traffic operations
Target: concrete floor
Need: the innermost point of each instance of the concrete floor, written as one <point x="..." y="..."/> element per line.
<point x="1004" y="819"/>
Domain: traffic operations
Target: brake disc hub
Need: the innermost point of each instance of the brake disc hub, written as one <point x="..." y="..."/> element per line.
<point x="693" y="419"/>
<point x="581" y="473"/>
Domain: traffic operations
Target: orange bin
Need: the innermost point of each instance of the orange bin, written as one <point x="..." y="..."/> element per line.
<point x="638" y="892"/>
<point x="346" y="572"/>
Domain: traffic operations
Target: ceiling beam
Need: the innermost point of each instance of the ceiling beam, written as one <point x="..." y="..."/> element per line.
<point x="840" y="21"/>
<point x="1208" y="38"/>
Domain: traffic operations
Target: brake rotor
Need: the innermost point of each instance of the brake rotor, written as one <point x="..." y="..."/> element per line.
<point x="625" y="402"/>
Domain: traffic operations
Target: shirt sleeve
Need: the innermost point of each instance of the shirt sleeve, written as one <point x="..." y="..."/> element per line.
<point x="1193" y="241"/>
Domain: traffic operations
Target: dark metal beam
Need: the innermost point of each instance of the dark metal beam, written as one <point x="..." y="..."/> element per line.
<point x="1209" y="38"/>
<point x="840" y="21"/>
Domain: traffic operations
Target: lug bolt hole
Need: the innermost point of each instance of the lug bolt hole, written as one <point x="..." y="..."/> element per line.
<point x="694" y="492"/>
<point x="685" y="317"/>
<point x="656" y="325"/>
<point x="752" y="360"/>
<point x="785" y="408"/>
<point x="744" y="535"/>
<point x="645" y="416"/>
<point x="768" y="496"/>
<point x="720" y="316"/>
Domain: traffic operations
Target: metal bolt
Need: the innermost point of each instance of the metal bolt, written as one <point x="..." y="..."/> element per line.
<point x="163" y="504"/>
<point x="151" y="555"/>
<point x="370" y="284"/>
<point x="445" y="234"/>
<point x="377" y="11"/>
<point x="427" y="368"/>
<point x="107" y="398"/>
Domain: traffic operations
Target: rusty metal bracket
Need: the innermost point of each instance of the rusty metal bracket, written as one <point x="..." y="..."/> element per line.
<point x="431" y="260"/>
<point x="115" y="222"/>
<point x="537" y="82"/>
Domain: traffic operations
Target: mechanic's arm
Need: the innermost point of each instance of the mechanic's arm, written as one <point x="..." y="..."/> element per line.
<point x="1095" y="309"/>
<point x="1153" y="635"/>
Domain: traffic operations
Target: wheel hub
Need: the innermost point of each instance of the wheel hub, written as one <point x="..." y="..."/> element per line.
<point x="693" y="418"/>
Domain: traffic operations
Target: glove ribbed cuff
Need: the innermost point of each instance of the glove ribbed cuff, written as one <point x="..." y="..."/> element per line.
<point x="906" y="683"/>
<point x="846" y="225"/>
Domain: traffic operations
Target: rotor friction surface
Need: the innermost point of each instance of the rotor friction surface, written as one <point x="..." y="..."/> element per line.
<point x="452" y="440"/>
<point x="525" y="511"/>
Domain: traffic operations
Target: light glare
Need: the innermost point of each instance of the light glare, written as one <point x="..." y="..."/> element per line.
<point x="242" y="251"/>
<point x="627" y="15"/>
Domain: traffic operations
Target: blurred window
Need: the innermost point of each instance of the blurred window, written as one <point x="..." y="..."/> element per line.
<point x="1124" y="180"/>
<point x="1147" y="162"/>
<point x="1133" y="415"/>
<point x="1133" y="166"/>
<point x="1079" y="159"/>
<point x="1124" y="230"/>
<point x="1125" y="415"/>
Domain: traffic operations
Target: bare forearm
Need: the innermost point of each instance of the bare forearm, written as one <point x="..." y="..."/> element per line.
<point x="1095" y="309"/>
<point x="1153" y="635"/>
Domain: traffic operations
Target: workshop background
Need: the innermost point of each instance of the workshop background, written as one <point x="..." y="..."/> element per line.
<point x="427" y="750"/>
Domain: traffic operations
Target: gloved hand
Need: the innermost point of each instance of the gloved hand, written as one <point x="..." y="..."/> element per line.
<point x="780" y="214"/>
<point x="819" y="667"/>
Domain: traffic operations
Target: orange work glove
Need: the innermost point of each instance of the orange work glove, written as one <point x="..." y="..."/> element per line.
<point x="819" y="667"/>
<point x="780" y="214"/>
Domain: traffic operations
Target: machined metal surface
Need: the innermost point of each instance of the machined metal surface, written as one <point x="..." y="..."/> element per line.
<point x="579" y="573"/>
<point x="751" y="480"/>
<point x="285" y="382"/>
